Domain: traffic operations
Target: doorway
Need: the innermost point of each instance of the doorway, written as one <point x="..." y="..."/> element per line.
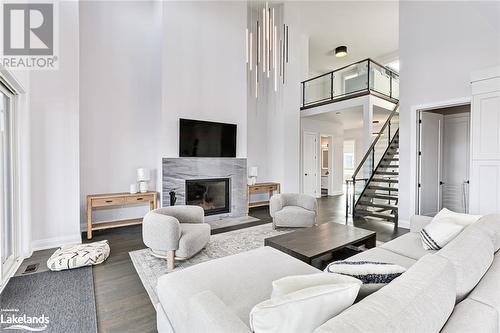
<point x="309" y="163"/>
<point x="443" y="158"/>
<point x="326" y="164"/>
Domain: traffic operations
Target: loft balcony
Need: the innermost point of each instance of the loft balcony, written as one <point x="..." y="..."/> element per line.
<point x="361" y="78"/>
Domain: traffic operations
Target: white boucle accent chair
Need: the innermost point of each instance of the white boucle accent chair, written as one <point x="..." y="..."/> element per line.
<point x="176" y="232"/>
<point x="293" y="210"/>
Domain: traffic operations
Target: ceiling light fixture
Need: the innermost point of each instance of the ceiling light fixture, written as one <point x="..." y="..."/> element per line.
<point x="341" y="51"/>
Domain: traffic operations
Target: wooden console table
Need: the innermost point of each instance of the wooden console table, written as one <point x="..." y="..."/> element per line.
<point x="117" y="199"/>
<point x="261" y="188"/>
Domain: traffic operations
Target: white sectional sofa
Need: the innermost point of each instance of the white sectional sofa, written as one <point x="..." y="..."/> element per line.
<point x="456" y="289"/>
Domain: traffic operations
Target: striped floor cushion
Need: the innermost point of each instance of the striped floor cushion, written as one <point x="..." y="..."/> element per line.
<point x="374" y="275"/>
<point x="79" y="255"/>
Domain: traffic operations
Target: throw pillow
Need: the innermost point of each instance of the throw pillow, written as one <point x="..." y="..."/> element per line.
<point x="303" y="310"/>
<point x="79" y="255"/>
<point x="444" y="227"/>
<point x="294" y="283"/>
<point x="374" y="275"/>
<point x="437" y="234"/>
<point x="446" y="215"/>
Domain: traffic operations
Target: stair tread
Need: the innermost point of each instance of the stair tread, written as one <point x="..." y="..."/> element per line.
<point x="385" y="188"/>
<point x="388" y="173"/>
<point x="374" y="214"/>
<point x="381" y="196"/>
<point x="384" y="180"/>
<point x="372" y="204"/>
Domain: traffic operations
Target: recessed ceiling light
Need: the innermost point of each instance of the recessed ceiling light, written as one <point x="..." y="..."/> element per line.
<point x="341" y="51"/>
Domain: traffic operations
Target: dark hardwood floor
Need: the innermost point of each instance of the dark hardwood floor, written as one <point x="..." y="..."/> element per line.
<point x="122" y="302"/>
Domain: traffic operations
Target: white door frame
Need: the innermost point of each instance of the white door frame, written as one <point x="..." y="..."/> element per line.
<point x="415" y="109"/>
<point x="20" y="172"/>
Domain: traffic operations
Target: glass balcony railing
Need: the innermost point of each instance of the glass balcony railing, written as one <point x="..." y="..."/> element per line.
<point x="360" y="78"/>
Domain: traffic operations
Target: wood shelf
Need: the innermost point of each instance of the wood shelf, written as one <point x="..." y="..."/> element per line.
<point x="258" y="204"/>
<point x="115" y="224"/>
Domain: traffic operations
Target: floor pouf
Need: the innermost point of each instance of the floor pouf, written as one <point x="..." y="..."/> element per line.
<point x="79" y="255"/>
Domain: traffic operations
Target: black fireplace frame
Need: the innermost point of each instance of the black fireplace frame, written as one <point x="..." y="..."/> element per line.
<point x="227" y="203"/>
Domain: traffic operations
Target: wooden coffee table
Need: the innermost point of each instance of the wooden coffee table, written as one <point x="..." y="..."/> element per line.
<point x="317" y="241"/>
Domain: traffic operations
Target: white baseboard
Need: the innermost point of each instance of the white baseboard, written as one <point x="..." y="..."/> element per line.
<point x="336" y="193"/>
<point x="404" y="224"/>
<point x="50" y="243"/>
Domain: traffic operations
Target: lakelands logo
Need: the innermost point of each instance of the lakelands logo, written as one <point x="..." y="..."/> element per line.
<point x="29" y="36"/>
<point x="10" y="319"/>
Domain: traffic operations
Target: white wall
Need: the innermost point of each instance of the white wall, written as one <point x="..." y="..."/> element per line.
<point x="274" y="118"/>
<point x="203" y="68"/>
<point x="357" y="135"/>
<point x="54" y="141"/>
<point x="120" y="98"/>
<point x="440" y="44"/>
<point x="336" y="131"/>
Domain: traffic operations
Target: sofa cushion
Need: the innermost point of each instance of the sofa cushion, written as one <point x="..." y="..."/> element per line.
<point x="408" y="245"/>
<point x="490" y="223"/>
<point x="294" y="216"/>
<point x="194" y="237"/>
<point x="240" y="281"/>
<point x="472" y="316"/>
<point x="380" y="254"/>
<point x="471" y="253"/>
<point x="303" y="310"/>
<point x="487" y="290"/>
<point x="290" y="284"/>
<point x="420" y="300"/>
<point x="207" y="313"/>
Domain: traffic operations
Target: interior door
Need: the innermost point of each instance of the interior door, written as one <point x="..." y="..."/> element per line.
<point x="310" y="163"/>
<point x="456" y="162"/>
<point x="7" y="227"/>
<point x="430" y="150"/>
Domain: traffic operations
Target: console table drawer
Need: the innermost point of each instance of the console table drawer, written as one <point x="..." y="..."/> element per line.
<point x="263" y="188"/>
<point x="104" y="202"/>
<point x="139" y="199"/>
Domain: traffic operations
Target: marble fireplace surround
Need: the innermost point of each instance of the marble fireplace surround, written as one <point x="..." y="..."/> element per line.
<point x="175" y="172"/>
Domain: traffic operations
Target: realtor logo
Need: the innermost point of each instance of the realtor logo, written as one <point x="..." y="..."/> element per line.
<point x="28" y="29"/>
<point x="29" y="32"/>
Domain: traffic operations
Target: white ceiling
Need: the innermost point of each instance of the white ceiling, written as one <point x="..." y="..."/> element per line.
<point x="369" y="29"/>
<point x="352" y="118"/>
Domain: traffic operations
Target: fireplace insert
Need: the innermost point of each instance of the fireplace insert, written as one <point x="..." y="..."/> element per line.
<point x="210" y="194"/>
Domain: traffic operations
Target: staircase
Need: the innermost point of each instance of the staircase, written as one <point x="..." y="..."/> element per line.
<point x="375" y="181"/>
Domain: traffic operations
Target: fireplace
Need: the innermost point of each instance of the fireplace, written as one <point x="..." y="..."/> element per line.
<point x="210" y="194"/>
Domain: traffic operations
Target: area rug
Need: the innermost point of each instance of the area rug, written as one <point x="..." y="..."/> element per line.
<point x="150" y="268"/>
<point x="50" y="301"/>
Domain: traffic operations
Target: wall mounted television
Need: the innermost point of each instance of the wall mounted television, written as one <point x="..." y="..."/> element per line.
<point x="206" y="139"/>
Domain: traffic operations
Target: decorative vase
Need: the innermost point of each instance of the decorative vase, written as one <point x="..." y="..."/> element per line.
<point x="143" y="187"/>
<point x="133" y="188"/>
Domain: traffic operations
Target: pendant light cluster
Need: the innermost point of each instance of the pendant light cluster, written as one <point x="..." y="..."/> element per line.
<point x="266" y="46"/>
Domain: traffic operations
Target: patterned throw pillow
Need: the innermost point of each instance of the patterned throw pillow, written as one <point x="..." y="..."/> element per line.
<point x="374" y="275"/>
<point x="79" y="255"/>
